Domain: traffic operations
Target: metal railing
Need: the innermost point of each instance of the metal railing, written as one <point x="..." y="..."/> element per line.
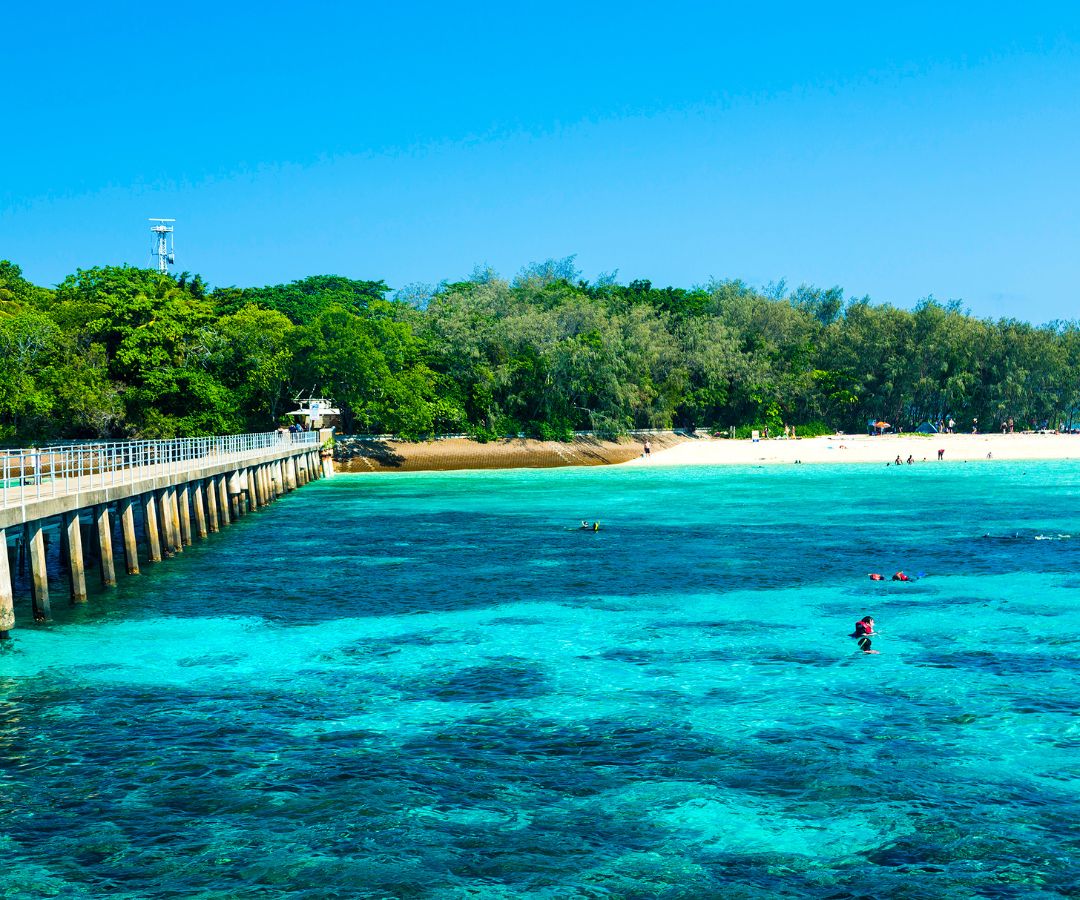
<point x="30" y="474"/>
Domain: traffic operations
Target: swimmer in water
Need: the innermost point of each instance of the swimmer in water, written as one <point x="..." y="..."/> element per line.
<point x="876" y="576"/>
<point x="900" y="576"/>
<point x="864" y="630"/>
<point x="595" y="526"/>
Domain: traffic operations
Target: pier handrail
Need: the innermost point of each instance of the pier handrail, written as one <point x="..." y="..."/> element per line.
<point x="40" y="472"/>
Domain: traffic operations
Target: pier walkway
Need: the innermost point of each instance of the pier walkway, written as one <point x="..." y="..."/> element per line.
<point x="169" y="493"/>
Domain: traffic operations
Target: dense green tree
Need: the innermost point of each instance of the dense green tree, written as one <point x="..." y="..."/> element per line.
<point x="117" y="350"/>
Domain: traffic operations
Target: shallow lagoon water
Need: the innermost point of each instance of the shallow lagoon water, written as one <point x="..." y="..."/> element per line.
<point x="434" y="685"/>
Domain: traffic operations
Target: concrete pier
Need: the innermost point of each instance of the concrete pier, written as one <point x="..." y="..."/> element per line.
<point x="177" y="490"/>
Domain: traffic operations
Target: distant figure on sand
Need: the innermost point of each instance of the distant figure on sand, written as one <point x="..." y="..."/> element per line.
<point x="864" y="630"/>
<point x="648" y="448"/>
<point x="941" y="454"/>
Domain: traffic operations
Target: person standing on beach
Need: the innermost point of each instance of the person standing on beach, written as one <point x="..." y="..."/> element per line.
<point x="648" y="448"/>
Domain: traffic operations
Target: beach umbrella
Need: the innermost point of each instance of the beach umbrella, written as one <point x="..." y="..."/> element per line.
<point x="882" y="425"/>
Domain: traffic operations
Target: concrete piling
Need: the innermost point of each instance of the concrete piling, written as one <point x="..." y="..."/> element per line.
<point x="210" y="486"/>
<point x="251" y="491"/>
<point x="150" y="523"/>
<point x="71" y="534"/>
<point x="183" y="499"/>
<point x="174" y="520"/>
<point x="103" y="525"/>
<point x="39" y="573"/>
<point x="127" y="526"/>
<point x="200" y="511"/>
<point x="236" y="489"/>
<point x="7" y="596"/>
<point x="224" y="506"/>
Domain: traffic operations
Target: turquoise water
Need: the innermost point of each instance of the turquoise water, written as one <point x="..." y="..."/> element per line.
<point x="433" y="685"/>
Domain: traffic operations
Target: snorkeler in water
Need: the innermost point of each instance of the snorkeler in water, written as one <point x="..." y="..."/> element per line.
<point x="864" y="630"/>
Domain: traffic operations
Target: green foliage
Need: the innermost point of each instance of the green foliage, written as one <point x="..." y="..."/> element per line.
<point x="122" y="351"/>
<point x="303" y="301"/>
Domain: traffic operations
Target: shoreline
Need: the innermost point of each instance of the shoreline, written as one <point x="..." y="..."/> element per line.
<point x="669" y="449"/>
<point x="882" y="449"/>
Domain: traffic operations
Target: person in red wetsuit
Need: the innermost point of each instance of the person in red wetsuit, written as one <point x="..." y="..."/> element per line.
<point x="864" y="630"/>
<point x="900" y="576"/>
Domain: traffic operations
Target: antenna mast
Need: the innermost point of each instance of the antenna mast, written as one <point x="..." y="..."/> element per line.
<point x="162" y="247"/>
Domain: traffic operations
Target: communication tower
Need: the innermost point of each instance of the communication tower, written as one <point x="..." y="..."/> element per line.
<point x="161" y="246"/>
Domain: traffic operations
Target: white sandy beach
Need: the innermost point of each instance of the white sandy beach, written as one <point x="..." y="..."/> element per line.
<point x="866" y="449"/>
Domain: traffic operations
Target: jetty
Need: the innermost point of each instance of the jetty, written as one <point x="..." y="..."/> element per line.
<point x="169" y="493"/>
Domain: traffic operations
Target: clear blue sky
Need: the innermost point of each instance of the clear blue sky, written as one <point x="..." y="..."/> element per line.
<point x="926" y="149"/>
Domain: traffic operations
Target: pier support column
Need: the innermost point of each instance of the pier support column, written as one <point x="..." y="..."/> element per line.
<point x="290" y="473"/>
<point x="71" y="534"/>
<point x="252" y="492"/>
<point x="7" y="598"/>
<point x="127" y="526"/>
<point x="223" y="499"/>
<point x="236" y="488"/>
<point x="150" y="523"/>
<point x="39" y="573"/>
<point x="103" y="524"/>
<point x="210" y="488"/>
<point x="200" y="510"/>
<point x="164" y="522"/>
<point x="183" y="498"/>
<point x="174" y="520"/>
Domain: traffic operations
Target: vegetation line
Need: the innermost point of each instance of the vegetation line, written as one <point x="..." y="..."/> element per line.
<point x="121" y="351"/>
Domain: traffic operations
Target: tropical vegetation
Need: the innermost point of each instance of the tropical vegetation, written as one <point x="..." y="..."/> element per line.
<point x="117" y="351"/>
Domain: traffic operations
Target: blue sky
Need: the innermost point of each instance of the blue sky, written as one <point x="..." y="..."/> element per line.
<point x="901" y="153"/>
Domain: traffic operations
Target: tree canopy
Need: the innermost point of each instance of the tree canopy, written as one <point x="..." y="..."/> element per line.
<point x="117" y="351"/>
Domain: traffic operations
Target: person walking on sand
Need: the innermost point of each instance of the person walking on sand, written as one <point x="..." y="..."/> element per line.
<point x="648" y="448"/>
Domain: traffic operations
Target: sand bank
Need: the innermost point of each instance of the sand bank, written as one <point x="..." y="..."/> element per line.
<point x="447" y="454"/>
<point x="866" y="449"/>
